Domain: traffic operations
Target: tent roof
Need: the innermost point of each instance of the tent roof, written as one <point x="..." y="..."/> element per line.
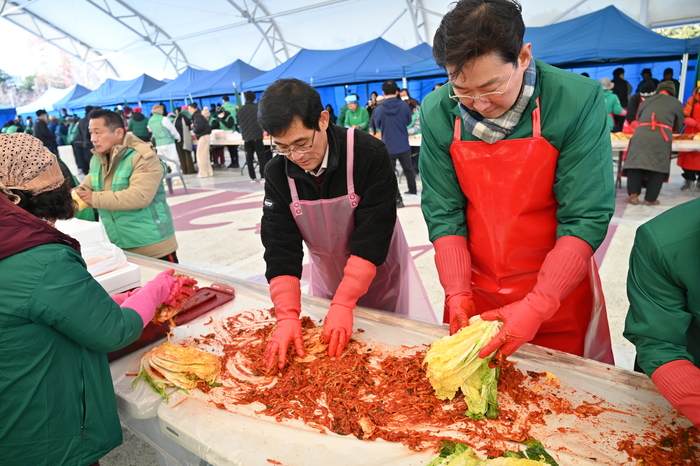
<point x="423" y="50"/>
<point x="199" y="83"/>
<point x="603" y="36"/>
<point x="164" y="38"/>
<point x="304" y="65"/>
<point x="119" y="92"/>
<point x="75" y="92"/>
<point x="376" y="60"/>
<point x="45" y="101"/>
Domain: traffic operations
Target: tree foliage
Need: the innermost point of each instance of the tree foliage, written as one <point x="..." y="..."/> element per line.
<point x="683" y="32"/>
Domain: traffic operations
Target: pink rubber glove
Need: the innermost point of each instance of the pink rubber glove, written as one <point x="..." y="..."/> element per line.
<point x="151" y="295"/>
<point x="565" y="266"/>
<point x="679" y="382"/>
<point x="121" y="297"/>
<point x="337" y="327"/>
<point x="454" y="266"/>
<point x="285" y="292"/>
<point x="690" y="122"/>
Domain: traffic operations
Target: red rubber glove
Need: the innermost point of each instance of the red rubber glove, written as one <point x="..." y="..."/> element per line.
<point x="151" y="295"/>
<point x="285" y="292"/>
<point x="679" y="382"/>
<point x="565" y="266"/>
<point x="454" y="266"/>
<point x="337" y="327"/>
<point x="690" y="122"/>
<point x="121" y="297"/>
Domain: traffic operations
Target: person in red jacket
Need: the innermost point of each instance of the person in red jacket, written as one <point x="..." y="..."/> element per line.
<point x="690" y="161"/>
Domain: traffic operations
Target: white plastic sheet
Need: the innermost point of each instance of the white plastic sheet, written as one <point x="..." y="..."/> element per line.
<point x="225" y="438"/>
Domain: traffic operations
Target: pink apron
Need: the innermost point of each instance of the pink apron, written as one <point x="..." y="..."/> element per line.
<point x="326" y="226"/>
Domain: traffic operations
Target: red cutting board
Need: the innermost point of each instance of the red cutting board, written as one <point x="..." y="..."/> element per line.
<point x="204" y="300"/>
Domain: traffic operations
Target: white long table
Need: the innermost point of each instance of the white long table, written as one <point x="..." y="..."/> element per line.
<point x="194" y="433"/>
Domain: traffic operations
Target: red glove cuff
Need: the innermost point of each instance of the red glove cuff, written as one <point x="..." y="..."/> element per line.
<point x="565" y="266"/>
<point x="285" y="292"/>
<point x="454" y="265"/>
<point x="357" y="277"/>
<point x="679" y="382"/>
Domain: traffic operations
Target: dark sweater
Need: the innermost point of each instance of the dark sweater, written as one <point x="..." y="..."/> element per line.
<point x="248" y="122"/>
<point x="375" y="216"/>
<point x="392" y="118"/>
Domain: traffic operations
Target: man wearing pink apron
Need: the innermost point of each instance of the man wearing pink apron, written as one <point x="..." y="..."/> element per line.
<point x="516" y="165"/>
<point x="333" y="189"/>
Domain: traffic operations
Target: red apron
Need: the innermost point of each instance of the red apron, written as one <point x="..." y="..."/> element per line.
<point x="690" y="160"/>
<point x="512" y="224"/>
<point x="326" y="226"/>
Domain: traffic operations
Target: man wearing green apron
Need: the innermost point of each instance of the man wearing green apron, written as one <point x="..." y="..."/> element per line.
<point x="516" y="165"/>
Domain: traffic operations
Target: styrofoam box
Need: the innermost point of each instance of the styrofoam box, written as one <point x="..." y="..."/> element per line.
<point x="121" y="280"/>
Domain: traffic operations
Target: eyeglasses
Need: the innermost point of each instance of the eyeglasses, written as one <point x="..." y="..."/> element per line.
<point x="487" y="97"/>
<point x="299" y="149"/>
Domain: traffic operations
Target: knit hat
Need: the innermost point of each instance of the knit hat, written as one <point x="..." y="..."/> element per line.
<point x="185" y="107"/>
<point x="26" y="165"/>
<point x="606" y="83"/>
<point x="351" y="99"/>
<point x="647" y="89"/>
<point x="667" y="86"/>
<point x="138" y="109"/>
<point x="159" y="109"/>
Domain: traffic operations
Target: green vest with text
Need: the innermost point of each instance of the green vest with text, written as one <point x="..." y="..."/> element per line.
<point x="133" y="228"/>
<point x="160" y="134"/>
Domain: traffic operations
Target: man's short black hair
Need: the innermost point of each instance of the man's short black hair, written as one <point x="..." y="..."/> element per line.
<point x="288" y="99"/>
<point x="40" y="112"/>
<point x="193" y="105"/>
<point x="249" y="96"/>
<point x="474" y="28"/>
<point x="617" y="72"/>
<point x="112" y="120"/>
<point x="390" y="87"/>
<point x="224" y="98"/>
<point x="668" y="71"/>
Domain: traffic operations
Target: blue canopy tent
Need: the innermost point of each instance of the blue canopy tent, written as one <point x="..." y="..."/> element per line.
<point x="75" y="93"/>
<point x="113" y="92"/>
<point x="304" y="65"/>
<point x="376" y="60"/>
<point x="6" y="114"/>
<point x="423" y="50"/>
<point x="195" y="84"/>
<point x="178" y="88"/>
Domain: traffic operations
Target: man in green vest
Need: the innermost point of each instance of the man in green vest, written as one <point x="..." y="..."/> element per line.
<point x="126" y="187"/>
<point x="165" y="135"/>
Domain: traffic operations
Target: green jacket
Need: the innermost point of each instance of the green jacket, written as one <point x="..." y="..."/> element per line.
<point x="663" y="287"/>
<point x="72" y="132"/>
<point x="139" y="128"/>
<point x="359" y="118"/>
<point x="573" y="121"/>
<point x="56" y="324"/>
<point x="161" y="135"/>
<point x="232" y="109"/>
<point x="137" y="227"/>
<point x="341" y="115"/>
<point x="612" y="106"/>
<point x="10" y="129"/>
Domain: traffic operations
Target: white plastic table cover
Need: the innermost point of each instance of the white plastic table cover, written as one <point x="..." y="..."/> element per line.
<point x="223" y="438"/>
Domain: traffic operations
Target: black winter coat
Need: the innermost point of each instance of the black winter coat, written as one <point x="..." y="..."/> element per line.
<point x="248" y="122"/>
<point x="375" y="216"/>
<point x="42" y="133"/>
<point x="201" y="125"/>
